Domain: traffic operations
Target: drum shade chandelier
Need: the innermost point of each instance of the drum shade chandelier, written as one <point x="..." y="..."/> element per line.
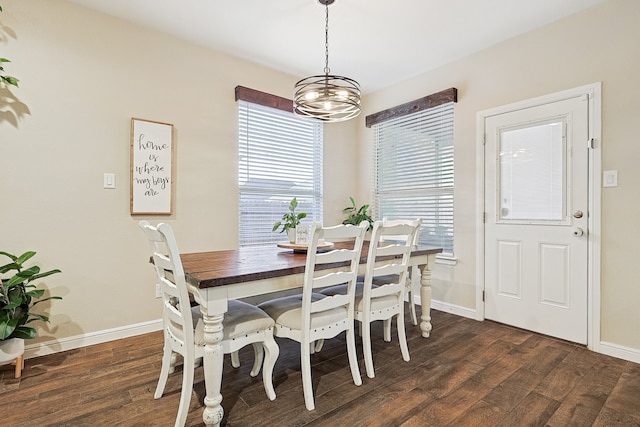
<point x="327" y="97"/>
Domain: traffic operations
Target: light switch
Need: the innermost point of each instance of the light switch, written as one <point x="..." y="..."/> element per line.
<point x="610" y="178"/>
<point x="109" y="180"/>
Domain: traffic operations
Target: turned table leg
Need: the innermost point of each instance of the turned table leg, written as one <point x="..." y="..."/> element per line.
<point x="425" y="299"/>
<point x="213" y="360"/>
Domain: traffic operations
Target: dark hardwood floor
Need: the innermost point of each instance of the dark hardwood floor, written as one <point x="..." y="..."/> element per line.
<point x="467" y="373"/>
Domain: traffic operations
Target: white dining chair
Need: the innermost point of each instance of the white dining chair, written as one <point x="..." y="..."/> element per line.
<point x="243" y="323"/>
<point x="312" y="317"/>
<point x="387" y="265"/>
<point x="414" y="272"/>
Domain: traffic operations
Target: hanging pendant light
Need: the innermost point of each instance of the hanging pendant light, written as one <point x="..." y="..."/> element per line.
<point x="327" y="97"/>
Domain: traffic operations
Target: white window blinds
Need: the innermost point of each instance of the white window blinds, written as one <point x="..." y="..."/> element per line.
<point x="280" y="157"/>
<point x="414" y="172"/>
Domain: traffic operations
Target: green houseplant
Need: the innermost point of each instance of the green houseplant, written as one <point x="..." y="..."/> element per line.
<point x="3" y="77"/>
<point x="290" y="220"/>
<point x="355" y="214"/>
<point x="18" y="296"/>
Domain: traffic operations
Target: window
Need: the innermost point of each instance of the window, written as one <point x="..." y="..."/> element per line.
<point x="280" y="157"/>
<point x="413" y="168"/>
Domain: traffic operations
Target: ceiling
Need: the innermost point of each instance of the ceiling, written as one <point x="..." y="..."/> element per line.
<point x="376" y="42"/>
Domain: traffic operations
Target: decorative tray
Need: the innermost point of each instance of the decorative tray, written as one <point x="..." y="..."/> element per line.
<point x="302" y="249"/>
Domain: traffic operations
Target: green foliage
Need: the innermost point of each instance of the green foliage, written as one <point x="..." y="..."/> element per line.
<point x="18" y="296"/>
<point x="291" y="219"/>
<point x="357" y="214"/>
<point x="3" y="77"/>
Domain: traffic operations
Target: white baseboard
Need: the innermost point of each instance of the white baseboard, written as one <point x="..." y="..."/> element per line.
<point x="78" y="341"/>
<point x="450" y="308"/>
<point x="453" y="309"/>
<point x="619" y="351"/>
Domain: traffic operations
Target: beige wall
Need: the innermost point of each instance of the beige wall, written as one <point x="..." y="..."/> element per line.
<point x="598" y="45"/>
<point x="84" y="75"/>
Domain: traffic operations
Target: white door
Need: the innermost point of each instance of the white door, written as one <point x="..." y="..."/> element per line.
<point x="536" y="200"/>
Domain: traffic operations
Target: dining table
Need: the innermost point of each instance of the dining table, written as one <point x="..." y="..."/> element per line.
<point x="215" y="277"/>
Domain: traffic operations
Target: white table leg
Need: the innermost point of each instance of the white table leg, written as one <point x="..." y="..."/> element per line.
<point x="213" y="360"/>
<point x="425" y="299"/>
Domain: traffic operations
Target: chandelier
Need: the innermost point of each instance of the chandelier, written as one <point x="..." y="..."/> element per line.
<point x="327" y="97"/>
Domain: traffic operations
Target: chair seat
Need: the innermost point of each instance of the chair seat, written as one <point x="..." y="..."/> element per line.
<point x="393" y="278"/>
<point x="376" y="303"/>
<point x="287" y="311"/>
<point x="381" y="280"/>
<point x="240" y="320"/>
<point x="340" y="289"/>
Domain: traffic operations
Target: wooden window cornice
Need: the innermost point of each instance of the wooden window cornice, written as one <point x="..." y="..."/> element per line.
<point x="429" y="101"/>
<point x="263" y="98"/>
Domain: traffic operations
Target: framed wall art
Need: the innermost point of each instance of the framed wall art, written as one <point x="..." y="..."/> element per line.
<point x="151" y="167"/>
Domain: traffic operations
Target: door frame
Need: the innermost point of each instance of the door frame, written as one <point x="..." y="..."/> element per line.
<point x="593" y="92"/>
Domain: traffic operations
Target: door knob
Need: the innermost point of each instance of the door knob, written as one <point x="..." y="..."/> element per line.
<point x="578" y="232"/>
<point x="577" y="214"/>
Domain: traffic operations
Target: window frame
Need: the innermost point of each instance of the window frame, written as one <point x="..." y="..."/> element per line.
<point x="397" y="117"/>
<point x="275" y="123"/>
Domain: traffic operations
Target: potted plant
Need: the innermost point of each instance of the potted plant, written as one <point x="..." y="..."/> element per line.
<point x="357" y="214"/>
<point x="290" y="221"/>
<point x="18" y="296"/>
<point x="3" y="77"/>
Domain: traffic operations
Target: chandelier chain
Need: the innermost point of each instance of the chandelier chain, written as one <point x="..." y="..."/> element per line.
<point x="326" y="39"/>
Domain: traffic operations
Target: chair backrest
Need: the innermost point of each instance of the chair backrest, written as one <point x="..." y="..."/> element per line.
<point x="176" y="313"/>
<point x="387" y="222"/>
<point x="388" y="256"/>
<point x="315" y="277"/>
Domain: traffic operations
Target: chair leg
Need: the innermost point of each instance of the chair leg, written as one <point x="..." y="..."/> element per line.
<point x="258" y="356"/>
<point x="387" y="330"/>
<point x="415" y="272"/>
<point x="19" y="366"/>
<point x="366" y="345"/>
<point x="235" y="359"/>
<point x="353" y="356"/>
<point x="167" y="357"/>
<point x="412" y="309"/>
<point x="402" y="337"/>
<point x="185" y="395"/>
<point x="271" y="351"/>
<point x="307" y="386"/>
<point x="173" y="363"/>
<point x="319" y="345"/>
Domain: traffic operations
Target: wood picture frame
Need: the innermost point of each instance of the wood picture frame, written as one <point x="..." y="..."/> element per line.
<point x="152" y="172"/>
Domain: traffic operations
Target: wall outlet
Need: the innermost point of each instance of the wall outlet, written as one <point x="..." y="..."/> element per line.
<point x="158" y="291"/>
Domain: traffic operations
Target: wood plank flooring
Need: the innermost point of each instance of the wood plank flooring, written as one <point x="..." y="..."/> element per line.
<point x="467" y="373"/>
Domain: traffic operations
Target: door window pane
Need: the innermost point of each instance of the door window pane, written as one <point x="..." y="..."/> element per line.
<point x="532" y="173"/>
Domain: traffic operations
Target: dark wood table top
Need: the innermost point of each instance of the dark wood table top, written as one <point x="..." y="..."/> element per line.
<point x="219" y="268"/>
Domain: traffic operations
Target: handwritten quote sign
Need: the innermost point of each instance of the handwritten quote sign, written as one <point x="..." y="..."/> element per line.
<point x="151" y="167"/>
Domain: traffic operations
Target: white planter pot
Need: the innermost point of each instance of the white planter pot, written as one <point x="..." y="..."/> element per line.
<point x="10" y="349"/>
<point x="291" y="234"/>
